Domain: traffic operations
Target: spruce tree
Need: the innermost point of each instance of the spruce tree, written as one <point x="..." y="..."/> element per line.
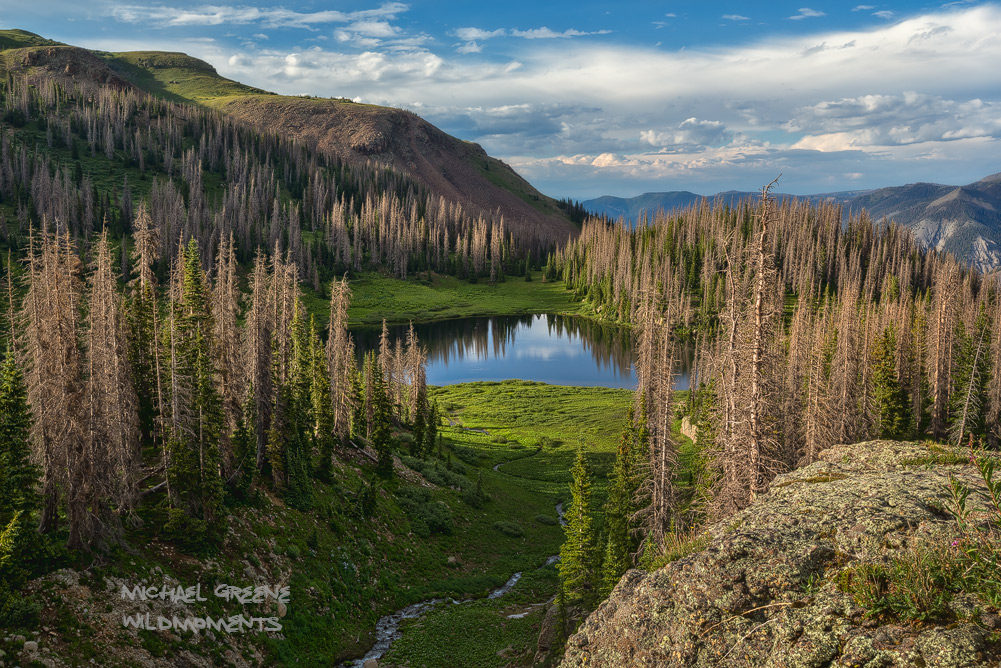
<point x="245" y="448"/>
<point x="359" y="423"/>
<point x="619" y="510"/>
<point x="18" y="476"/>
<point x="970" y="381"/>
<point x="322" y="404"/>
<point x="382" y="439"/>
<point x="891" y="407"/>
<point x="578" y="552"/>
<point x="196" y="416"/>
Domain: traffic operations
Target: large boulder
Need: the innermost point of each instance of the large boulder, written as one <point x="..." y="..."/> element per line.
<point x="766" y="586"/>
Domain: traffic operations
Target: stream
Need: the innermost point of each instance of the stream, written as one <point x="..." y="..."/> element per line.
<point x="387" y="629"/>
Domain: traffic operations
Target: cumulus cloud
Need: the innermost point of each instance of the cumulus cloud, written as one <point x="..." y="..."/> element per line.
<point x="564" y="110"/>
<point x="690" y="134"/>
<point x="872" y="121"/>
<point x="546" y="33"/>
<point x="806" y="13"/>
<point x="471" y="36"/>
<point x="213" y="15"/>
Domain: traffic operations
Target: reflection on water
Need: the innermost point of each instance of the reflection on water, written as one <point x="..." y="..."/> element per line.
<point x="545" y="348"/>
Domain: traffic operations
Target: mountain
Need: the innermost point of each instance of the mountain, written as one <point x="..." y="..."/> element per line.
<point x="357" y="134"/>
<point x="963" y="220"/>
<point x="783" y="582"/>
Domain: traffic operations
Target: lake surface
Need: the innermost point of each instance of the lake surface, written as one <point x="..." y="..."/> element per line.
<point x="546" y="348"/>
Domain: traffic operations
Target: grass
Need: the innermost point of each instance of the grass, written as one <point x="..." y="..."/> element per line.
<point x="523" y="494"/>
<point x="919" y="583"/>
<point x="176" y="76"/>
<point x="376" y="296"/>
<point x="345" y="570"/>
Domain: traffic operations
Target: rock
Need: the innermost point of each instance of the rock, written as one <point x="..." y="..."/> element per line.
<point x="452" y="561"/>
<point x="370" y="663"/>
<point x="761" y="587"/>
<point x="30" y="646"/>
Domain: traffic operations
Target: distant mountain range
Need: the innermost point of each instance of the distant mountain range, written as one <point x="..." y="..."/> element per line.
<point x="964" y="220"/>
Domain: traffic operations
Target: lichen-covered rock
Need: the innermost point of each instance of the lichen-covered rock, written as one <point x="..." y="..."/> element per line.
<point x="764" y="592"/>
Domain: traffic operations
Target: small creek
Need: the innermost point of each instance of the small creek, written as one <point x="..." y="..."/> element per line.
<point x="387" y="629"/>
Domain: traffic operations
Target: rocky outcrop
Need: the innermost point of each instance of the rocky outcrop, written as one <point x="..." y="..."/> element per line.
<point x="764" y="591"/>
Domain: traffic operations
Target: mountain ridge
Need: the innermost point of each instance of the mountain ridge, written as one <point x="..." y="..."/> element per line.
<point x="962" y="220"/>
<point x="358" y="134"/>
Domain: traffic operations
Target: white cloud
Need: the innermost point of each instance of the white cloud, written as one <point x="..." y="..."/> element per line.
<point x="546" y="33"/>
<point x="885" y="14"/>
<point x="817" y="105"/>
<point x="213" y="15"/>
<point x="690" y="134"/>
<point x="736" y="17"/>
<point x="472" y="34"/>
<point x="806" y="13"/>
<point x="469" y="47"/>
<point x="862" y="8"/>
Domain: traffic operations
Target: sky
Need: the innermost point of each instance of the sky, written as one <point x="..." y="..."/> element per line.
<point x="596" y="98"/>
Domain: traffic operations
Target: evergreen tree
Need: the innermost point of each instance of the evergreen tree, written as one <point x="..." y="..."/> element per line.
<point x="299" y="436"/>
<point x="431" y="427"/>
<point x="382" y="439"/>
<point x="420" y="425"/>
<point x="619" y="510"/>
<point x="322" y="404"/>
<point x="970" y="381"/>
<point x="18" y="476"/>
<point x="891" y="406"/>
<point x="578" y="554"/>
<point x="359" y="423"/>
<point x="244" y="448"/>
<point x="196" y="417"/>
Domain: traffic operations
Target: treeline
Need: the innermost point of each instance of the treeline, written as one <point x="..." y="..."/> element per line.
<point x="808" y="332"/>
<point x="63" y="154"/>
<point x="180" y="400"/>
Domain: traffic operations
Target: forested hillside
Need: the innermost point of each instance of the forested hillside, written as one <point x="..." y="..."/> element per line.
<point x="807" y="333"/>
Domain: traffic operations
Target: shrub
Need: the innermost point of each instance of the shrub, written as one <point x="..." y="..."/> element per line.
<point x="913" y="586"/>
<point x="546" y="519"/>
<point x="511" y="529"/>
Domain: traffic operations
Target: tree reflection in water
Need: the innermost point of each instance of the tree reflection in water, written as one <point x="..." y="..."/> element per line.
<point x="546" y="348"/>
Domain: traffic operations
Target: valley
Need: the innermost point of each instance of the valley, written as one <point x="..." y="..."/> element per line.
<point x="319" y="346"/>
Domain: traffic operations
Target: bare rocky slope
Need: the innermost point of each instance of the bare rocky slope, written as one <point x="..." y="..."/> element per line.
<point x="764" y="591"/>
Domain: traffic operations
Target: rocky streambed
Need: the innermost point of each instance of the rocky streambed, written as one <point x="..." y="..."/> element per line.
<point x="387" y="629"/>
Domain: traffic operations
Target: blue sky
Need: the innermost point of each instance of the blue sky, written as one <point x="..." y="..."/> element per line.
<point x="591" y="98"/>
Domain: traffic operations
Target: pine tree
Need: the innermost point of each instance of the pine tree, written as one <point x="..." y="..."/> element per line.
<point x="431" y="428"/>
<point x="196" y="416"/>
<point x="891" y="406"/>
<point x="970" y="381"/>
<point x="420" y="425"/>
<point x="244" y="448"/>
<point x="359" y="422"/>
<point x="382" y="438"/>
<point x="19" y="477"/>
<point x="619" y="510"/>
<point x="578" y="554"/>
<point x="323" y="407"/>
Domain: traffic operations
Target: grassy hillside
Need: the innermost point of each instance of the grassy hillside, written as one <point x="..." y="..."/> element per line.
<point x="176" y="76"/>
<point x="347" y="563"/>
